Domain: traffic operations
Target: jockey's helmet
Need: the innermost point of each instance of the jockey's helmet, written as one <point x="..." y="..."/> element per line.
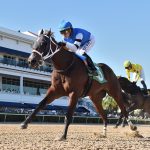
<point x="64" y="25"/>
<point x="127" y="63"/>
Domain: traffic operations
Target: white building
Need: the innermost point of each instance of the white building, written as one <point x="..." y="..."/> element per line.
<point x="19" y="84"/>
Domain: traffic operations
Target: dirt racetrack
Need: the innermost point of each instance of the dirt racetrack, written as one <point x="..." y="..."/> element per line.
<point x="80" y="137"/>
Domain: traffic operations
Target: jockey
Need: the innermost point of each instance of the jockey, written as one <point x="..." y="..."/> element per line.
<point x="78" y="41"/>
<point x="138" y="73"/>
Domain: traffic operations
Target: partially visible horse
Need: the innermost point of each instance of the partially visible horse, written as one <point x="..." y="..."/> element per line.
<point x="70" y="78"/>
<point x="133" y="97"/>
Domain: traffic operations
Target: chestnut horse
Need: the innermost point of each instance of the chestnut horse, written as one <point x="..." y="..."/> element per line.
<point x="133" y="97"/>
<point x="70" y="78"/>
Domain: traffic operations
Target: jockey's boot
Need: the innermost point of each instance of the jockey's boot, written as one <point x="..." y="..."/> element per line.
<point x="91" y="65"/>
<point x="145" y="87"/>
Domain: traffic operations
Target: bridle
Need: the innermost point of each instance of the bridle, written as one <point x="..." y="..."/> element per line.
<point x="51" y="52"/>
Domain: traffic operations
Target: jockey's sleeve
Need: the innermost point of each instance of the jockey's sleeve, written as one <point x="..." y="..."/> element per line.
<point x="71" y="47"/>
<point x="74" y="47"/>
<point x="138" y="73"/>
<point x="78" y="39"/>
<point x="128" y="74"/>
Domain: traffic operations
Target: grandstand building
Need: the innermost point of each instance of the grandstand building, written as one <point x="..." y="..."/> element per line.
<point x="20" y="85"/>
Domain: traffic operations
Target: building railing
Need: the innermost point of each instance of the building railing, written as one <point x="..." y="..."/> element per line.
<point x="23" y="64"/>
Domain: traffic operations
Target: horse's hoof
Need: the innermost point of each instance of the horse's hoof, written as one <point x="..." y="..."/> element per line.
<point x="134" y="128"/>
<point x="60" y="138"/>
<point x="103" y="136"/>
<point x="123" y="126"/>
<point x="23" y="126"/>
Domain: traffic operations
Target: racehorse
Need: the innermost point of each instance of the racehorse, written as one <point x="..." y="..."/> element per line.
<point x="70" y="78"/>
<point x="133" y="97"/>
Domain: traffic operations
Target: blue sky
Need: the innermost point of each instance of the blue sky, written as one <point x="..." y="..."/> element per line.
<point x="121" y="27"/>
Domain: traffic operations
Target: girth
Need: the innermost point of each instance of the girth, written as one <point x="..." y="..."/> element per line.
<point x="87" y="86"/>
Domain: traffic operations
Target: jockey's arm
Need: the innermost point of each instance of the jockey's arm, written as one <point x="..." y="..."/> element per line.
<point x="74" y="47"/>
<point x="71" y="47"/>
<point x="138" y="72"/>
<point x="128" y="74"/>
<point x="137" y="76"/>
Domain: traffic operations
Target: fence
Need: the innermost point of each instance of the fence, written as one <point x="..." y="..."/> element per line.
<point x="7" y="117"/>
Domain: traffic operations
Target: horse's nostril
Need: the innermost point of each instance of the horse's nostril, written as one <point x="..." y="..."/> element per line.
<point x="33" y="61"/>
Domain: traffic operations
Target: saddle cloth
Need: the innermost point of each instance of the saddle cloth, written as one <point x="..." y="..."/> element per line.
<point x="100" y="78"/>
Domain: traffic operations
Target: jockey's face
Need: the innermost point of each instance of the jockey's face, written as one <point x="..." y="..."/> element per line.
<point x="66" y="33"/>
<point x="129" y="68"/>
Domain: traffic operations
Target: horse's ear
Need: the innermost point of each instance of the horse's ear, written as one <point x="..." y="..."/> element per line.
<point x="40" y="32"/>
<point x="49" y="33"/>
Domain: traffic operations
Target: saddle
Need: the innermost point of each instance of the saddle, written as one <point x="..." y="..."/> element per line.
<point x="100" y="78"/>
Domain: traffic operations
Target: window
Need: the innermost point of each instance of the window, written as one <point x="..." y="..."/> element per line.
<point x="9" y="60"/>
<point x="34" y="88"/>
<point x="10" y="85"/>
<point x="22" y="62"/>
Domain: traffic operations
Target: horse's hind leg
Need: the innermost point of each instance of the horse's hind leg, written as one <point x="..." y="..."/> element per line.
<point x="51" y="95"/>
<point x="129" y="110"/>
<point x="124" y="122"/>
<point x="97" y="101"/>
<point x="119" y="121"/>
<point x="68" y="118"/>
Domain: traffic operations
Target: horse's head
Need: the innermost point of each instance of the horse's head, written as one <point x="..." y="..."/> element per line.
<point x="129" y="87"/>
<point x="44" y="47"/>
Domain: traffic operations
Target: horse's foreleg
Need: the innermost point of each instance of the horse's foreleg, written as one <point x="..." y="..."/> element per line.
<point x="50" y="96"/>
<point x="68" y="118"/>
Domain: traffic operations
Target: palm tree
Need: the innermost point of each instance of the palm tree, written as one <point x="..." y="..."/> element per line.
<point x="109" y="104"/>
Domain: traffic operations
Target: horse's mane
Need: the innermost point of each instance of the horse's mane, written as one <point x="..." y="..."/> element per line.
<point x="128" y="86"/>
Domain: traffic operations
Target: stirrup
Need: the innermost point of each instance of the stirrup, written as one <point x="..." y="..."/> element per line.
<point x="93" y="72"/>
